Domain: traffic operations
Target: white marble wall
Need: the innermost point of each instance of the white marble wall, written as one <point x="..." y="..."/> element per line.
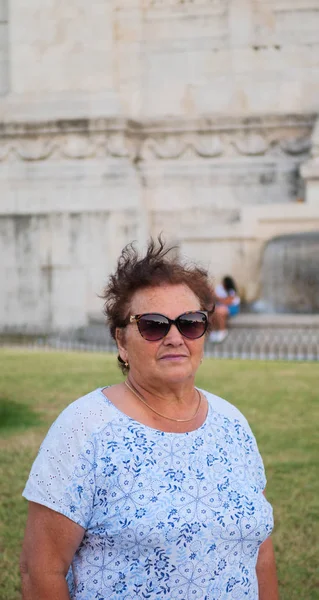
<point x="64" y="195"/>
<point x="55" y="264"/>
<point x="161" y="58"/>
<point x="128" y="117"/>
<point x="225" y="57"/>
<point x="61" y="60"/>
<point x="4" y="48"/>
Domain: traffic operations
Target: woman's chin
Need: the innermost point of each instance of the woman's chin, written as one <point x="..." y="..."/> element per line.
<point x="176" y="371"/>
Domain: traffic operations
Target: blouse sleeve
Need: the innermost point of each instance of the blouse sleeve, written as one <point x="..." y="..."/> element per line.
<point x="253" y="461"/>
<point x="63" y="474"/>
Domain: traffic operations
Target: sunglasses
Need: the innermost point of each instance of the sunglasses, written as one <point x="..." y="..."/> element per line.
<point x="154" y="326"/>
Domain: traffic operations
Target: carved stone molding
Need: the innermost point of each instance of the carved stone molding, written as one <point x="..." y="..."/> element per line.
<point x="161" y="141"/>
<point x="310" y="170"/>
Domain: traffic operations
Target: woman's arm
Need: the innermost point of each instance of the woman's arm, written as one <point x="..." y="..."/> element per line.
<point x="226" y="301"/>
<point x="266" y="572"/>
<point x="50" y="542"/>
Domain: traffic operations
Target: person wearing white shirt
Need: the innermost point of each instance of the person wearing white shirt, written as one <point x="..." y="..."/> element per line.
<point x="227" y="305"/>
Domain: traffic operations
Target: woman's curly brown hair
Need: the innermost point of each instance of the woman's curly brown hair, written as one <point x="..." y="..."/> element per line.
<point x="155" y="268"/>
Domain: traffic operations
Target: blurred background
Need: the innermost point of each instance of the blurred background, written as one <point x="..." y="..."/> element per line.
<point x="122" y="119"/>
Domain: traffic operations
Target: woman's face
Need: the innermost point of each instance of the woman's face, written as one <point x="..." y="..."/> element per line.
<point x="172" y="359"/>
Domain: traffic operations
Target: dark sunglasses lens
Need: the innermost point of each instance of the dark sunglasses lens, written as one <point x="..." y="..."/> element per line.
<point x="153" y="327"/>
<point x="192" y="325"/>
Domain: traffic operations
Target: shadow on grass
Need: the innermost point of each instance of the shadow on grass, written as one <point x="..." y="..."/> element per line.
<point x="15" y="415"/>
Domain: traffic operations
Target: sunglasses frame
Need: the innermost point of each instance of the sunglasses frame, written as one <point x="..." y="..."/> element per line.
<point x="137" y="318"/>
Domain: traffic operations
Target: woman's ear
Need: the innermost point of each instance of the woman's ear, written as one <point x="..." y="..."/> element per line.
<point x="120" y="342"/>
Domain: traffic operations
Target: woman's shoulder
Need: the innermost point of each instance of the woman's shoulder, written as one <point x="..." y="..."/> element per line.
<point x="86" y="415"/>
<point x="226" y="409"/>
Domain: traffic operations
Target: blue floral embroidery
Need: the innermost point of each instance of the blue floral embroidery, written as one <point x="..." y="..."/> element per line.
<point x="165" y="515"/>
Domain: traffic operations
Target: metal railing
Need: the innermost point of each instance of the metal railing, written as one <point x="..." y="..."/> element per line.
<point x="257" y="341"/>
<point x="268" y="344"/>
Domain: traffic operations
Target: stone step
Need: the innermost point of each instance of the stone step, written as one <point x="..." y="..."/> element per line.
<point x="264" y="321"/>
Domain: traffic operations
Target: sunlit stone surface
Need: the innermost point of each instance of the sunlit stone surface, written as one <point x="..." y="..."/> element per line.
<point x="124" y="118"/>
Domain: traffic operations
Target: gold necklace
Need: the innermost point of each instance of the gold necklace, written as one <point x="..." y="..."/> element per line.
<point x="140" y="397"/>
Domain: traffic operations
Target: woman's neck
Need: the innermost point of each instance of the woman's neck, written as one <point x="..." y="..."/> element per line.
<point x="167" y="395"/>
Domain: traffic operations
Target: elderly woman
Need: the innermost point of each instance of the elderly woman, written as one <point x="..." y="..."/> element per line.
<point x="151" y="488"/>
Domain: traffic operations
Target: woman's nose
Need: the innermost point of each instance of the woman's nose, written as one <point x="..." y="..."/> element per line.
<point x="173" y="337"/>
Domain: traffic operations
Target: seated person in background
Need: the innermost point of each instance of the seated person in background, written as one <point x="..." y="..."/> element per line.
<point x="227" y="305"/>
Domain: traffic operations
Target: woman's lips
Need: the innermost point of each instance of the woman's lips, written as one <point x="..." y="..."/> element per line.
<point x="173" y="356"/>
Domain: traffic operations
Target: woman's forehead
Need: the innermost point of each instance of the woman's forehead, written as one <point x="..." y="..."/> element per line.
<point x="166" y="298"/>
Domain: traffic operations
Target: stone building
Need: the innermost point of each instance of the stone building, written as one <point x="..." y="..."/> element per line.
<point x="124" y="118"/>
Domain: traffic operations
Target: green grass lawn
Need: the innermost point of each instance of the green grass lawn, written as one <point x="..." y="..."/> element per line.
<point x="280" y="400"/>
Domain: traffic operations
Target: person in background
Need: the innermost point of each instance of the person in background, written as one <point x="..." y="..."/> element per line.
<point x="227" y="305"/>
<point x="152" y="487"/>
